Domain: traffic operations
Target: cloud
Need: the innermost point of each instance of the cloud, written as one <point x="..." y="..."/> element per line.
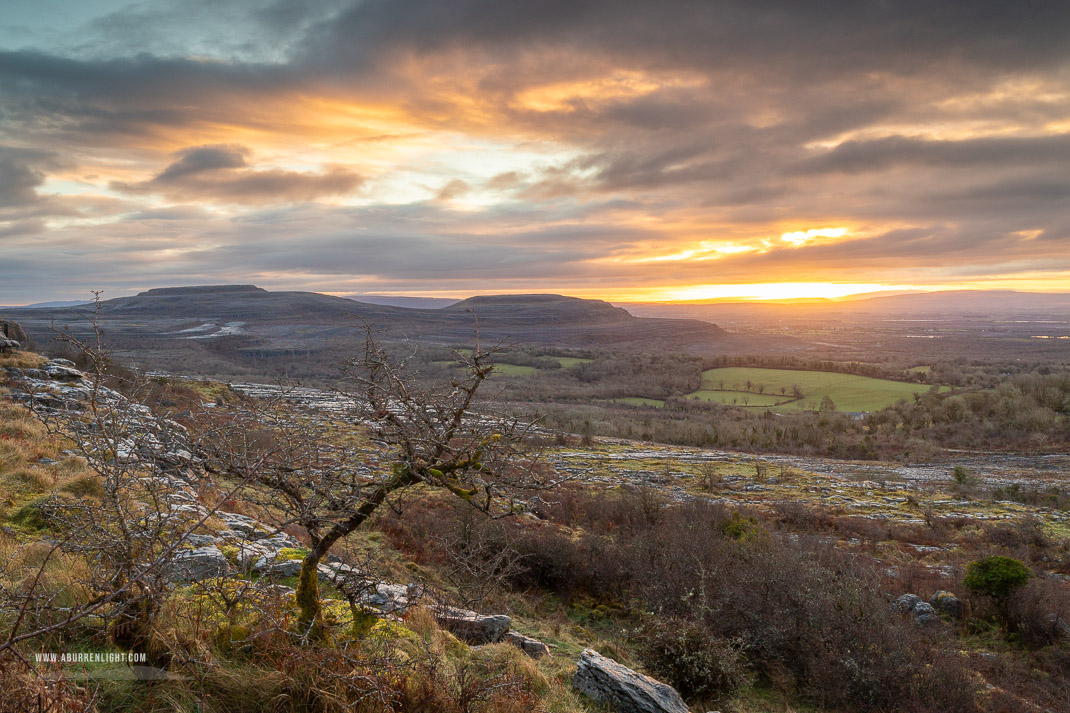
<point x="217" y="173"/>
<point x="588" y="130"/>
<point x="880" y="154"/>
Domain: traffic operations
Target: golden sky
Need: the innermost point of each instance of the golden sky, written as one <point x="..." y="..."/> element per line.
<point x="624" y="150"/>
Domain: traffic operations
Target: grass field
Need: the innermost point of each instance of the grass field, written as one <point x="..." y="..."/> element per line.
<point x="738" y="398"/>
<point x="513" y="370"/>
<point x="848" y="392"/>
<point x="638" y="401"/>
<point x="568" y="362"/>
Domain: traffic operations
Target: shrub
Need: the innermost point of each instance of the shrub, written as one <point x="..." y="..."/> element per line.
<point x="698" y="663"/>
<point x="996" y="576"/>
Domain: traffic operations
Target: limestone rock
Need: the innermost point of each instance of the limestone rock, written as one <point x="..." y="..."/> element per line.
<point x="198" y="564"/>
<point x="905" y="603"/>
<point x="59" y="372"/>
<point x="606" y="680"/>
<point x="924" y="613"/>
<point x="13" y="331"/>
<point x="532" y="647"/>
<point x="8" y="345"/>
<point x="280" y="568"/>
<point x="472" y="627"/>
<point x="946" y="603"/>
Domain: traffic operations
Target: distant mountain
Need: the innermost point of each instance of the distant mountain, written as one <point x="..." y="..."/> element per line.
<point x="56" y="303"/>
<point x="404" y="301"/>
<point x="245" y="319"/>
<point x="949" y="303"/>
<point x="966" y="301"/>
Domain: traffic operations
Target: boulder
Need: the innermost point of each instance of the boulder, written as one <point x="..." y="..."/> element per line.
<point x="946" y="603"/>
<point x="9" y="345"/>
<point x="905" y="603"/>
<point x="13" y="331"/>
<point x="472" y="627"/>
<point x="606" y="680"/>
<point x="532" y="647"/>
<point x="280" y="568"/>
<point x="58" y="372"/>
<point x="387" y="598"/>
<point x="925" y="614"/>
<point x="198" y="564"/>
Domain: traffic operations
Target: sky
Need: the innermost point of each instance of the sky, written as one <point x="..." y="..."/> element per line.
<point x="601" y="148"/>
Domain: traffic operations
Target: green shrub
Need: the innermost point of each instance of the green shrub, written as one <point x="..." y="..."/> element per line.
<point x="696" y="662"/>
<point x="963" y="476"/>
<point x="996" y="576"/>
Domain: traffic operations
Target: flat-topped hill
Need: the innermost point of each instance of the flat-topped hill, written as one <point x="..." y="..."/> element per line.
<point x="543" y="308"/>
<point x="248" y="319"/>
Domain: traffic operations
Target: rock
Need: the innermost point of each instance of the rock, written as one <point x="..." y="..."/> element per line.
<point x="946" y="603"/>
<point x="281" y="568"/>
<point x="532" y="647"/>
<point x="9" y="345"/>
<point x="62" y="362"/>
<point x="472" y="627"/>
<point x="59" y="372"/>
<point x="13" y="331"/>
<point x="198" y="564"/>
<point x="387" y="598"/>
<point x="606" y="680"/>
<point x="925" y="614"/>
<point x="179" y="457"/>
<point x="905" y="603"/>
<point x="243" y="525"/>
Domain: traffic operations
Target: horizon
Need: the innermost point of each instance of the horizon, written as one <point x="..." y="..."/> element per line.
<point x="854" y="297"/>
<point x="632" y="152"/>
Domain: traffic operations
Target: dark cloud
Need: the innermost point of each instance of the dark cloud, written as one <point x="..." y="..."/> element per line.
<point x="213" y="173"/>
<point x="203" y="158"/>
<point x="878" y="155"/>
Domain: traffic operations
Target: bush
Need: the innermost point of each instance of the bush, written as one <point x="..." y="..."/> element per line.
<point x="1038" y="612"/>
<point x="996" y="576"/>
<point x="698" y="664"/>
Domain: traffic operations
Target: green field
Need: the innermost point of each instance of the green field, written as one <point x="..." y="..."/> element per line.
<point x="513" y="370"/>
<point x="638" y="401"/>
<point x="568" y="362"/>
<point x="848" y="392"/>
<point x="738" y="398"/>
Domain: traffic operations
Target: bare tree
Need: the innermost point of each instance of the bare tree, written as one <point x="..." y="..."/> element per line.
<point x="118" y="532"/>
<point x="319" y="479"/>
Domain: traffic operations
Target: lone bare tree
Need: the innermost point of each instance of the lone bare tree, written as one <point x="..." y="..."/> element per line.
<point x="321" y="480"/>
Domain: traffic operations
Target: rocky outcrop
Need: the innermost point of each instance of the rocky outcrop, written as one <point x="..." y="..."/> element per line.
<point x="472" y="627"/>
<point x="922" y="612"/>
<point x="532" y="647"/>
<point x="606" y="680"/>
<point x="199" y="564"/>
<point x="11" y="330"/>
<point x="947" y="603"/>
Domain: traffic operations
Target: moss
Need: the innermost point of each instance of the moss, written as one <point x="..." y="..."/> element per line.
<point x="31" y="515"/>
<point x="309" y="610"/>
<point x="291" y="553"/>
<point x="230" y="552"/>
